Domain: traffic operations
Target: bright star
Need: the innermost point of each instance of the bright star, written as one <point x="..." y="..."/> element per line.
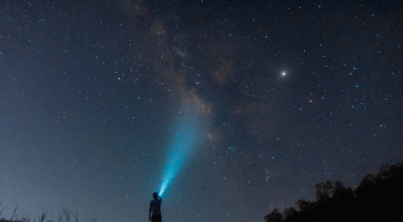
<point x="283" y="74"/>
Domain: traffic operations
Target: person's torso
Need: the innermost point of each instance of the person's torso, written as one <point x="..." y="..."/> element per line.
<point x="156" y="206"/>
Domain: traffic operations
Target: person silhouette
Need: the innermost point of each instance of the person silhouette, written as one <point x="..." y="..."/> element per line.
<point x="155" y="208"/>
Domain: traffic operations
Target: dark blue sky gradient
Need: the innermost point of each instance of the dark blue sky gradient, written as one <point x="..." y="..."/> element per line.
<point x="91" y="93"/>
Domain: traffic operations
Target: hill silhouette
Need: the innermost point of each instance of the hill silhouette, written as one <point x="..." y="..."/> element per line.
<point x="377" y="198"/>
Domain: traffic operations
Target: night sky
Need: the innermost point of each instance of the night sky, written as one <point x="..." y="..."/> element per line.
<point x="277" y="95"/>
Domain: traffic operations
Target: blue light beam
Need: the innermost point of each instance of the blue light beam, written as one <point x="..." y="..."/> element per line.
<point x="182" y="147"/>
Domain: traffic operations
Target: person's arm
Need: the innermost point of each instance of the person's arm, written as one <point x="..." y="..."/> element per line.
<point x="149" y="213"/>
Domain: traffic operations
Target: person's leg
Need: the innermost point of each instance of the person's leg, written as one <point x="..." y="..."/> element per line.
<point x="156" y="218"/>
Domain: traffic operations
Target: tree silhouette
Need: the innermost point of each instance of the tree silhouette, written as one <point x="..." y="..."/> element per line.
<point x="290" y="213"/>
<point x="305" y="205"/>
<point x="323" y="191"/>
<point x="274" y="216"/>
<point x="377" y="198"/>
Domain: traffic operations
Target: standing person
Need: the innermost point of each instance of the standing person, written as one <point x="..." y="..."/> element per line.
<point x="155" y="207"/>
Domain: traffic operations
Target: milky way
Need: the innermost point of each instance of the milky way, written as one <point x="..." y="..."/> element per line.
<point x="282" y="95"/>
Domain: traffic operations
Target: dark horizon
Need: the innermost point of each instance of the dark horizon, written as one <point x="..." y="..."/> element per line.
<point x="377" y="198"/>
<point x="92" y="94"/>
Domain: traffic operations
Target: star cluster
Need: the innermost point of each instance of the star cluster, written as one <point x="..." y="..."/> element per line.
<point x="287" y="94"/>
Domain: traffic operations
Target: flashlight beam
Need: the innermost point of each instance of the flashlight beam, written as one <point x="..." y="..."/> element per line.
<point x="182" y="147"/>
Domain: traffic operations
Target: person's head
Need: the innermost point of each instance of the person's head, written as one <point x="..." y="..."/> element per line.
<point x="155" y="195"/>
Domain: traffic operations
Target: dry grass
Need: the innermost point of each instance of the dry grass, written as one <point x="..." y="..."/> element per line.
<point x="65" y="216"/>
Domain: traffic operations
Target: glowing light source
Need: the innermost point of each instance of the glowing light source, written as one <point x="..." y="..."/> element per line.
<point x="182" y="147"/>
<point x="283" y="74"/>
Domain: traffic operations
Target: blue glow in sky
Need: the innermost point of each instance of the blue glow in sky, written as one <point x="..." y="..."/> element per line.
<point x="99" y="110"/>
<point x="182" y="147"/>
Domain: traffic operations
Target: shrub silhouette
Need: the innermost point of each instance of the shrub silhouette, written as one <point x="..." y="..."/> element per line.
<point x="377" y="198"/>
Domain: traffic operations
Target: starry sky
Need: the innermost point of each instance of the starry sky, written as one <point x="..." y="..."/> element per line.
<point x="282" y="94"/>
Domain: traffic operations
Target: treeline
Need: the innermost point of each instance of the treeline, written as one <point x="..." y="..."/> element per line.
<point x="377" y="198"/>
